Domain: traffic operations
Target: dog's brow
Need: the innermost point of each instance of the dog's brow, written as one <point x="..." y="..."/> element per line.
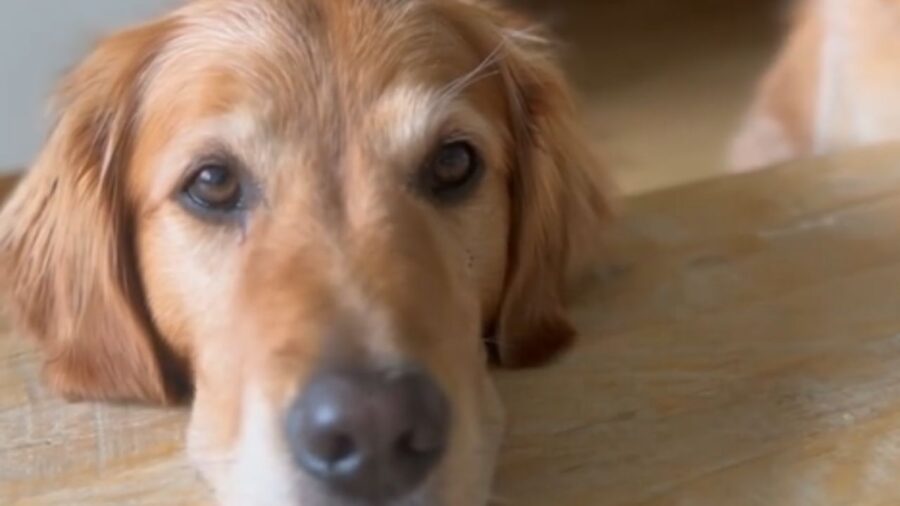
<point x="484" y="70"/>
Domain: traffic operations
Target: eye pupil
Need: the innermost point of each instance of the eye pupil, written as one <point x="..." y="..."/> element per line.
<point x="453" y="170"/>
<point x="454" y="162"/>
<point x="215" y="176"/>
<point x="215" y="187"/>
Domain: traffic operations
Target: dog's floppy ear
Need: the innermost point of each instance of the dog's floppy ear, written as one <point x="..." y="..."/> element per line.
<point x="66" y="249"/>
<point x="559" y="193"/>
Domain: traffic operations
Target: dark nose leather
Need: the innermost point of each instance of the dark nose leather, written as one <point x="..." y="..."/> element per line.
<point x="371" y="436"/>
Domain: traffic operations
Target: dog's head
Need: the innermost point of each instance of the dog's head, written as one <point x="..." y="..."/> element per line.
<point x="310" y="215"/>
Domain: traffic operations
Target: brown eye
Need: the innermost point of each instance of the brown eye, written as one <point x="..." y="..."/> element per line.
<point x="215" y="188"/>
<point x="454" y="170"/>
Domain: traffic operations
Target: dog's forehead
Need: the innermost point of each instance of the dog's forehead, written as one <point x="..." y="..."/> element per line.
<point x="296" y="72"/>
<point x="312" y="53"/>
<point x="318" y="93"/>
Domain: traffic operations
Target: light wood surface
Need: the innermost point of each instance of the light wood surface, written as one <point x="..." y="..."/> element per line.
<point x="741" y="347"/>
<point x="744" y="350"/>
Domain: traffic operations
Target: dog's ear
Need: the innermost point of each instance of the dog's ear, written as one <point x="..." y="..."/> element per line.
<point x="559" y="192"/>
<point x="66" y="238"/>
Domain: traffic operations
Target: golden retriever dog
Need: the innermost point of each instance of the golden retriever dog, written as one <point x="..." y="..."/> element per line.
<point x="315" y="220"/>
<point x="834" y="85"/>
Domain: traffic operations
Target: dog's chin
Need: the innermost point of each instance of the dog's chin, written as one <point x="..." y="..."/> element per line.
<point x="424" y="497"/>
<point x="234" y="486"/>
<point x="304" y="492"/>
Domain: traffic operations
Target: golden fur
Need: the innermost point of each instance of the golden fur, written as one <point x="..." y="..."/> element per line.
<point x="329" y="104"/>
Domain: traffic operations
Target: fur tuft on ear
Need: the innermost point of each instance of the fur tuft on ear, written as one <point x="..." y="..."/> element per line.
<point x="559" y="193"/>
<point x="66" y="251"/>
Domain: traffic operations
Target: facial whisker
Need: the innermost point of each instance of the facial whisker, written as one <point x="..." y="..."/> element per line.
<point x="476" y="75"/>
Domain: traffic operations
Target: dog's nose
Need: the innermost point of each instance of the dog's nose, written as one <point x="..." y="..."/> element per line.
<point x="371" y="436"/>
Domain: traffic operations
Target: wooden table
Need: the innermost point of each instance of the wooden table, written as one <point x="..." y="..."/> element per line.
<point x="742" y="347"/>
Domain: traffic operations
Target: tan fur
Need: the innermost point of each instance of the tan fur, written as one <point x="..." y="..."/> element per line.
<point x="330" y="105"/>
<point x="67" y="246"/>
<point x="832" y="87"/>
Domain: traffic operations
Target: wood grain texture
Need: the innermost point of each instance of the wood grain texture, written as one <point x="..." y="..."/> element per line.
<point x="743" y="350"/>
<point x="741" y="347"/>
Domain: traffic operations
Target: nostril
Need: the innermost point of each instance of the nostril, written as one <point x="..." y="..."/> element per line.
<point x="341" y="449"/>
<point x="323" y="428"/>
<point x="332" y="453"/>
<point x="420" y="441"/>
<point x="369" y="435"/>
<point x="330" y="433"/>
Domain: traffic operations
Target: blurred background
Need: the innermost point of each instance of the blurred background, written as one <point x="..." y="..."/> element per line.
<point x="664" y="82"/>
<point x="39" y="40"/>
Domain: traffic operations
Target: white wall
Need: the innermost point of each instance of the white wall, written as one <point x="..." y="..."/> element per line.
<point x="39" y="40"/>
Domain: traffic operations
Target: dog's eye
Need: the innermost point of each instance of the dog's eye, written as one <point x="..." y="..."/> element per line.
<point x="453" y="171"/>
<point x="215" y="187"/>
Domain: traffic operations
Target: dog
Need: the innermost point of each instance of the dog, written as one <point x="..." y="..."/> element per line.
<point x="833" y="86"/>
<point x="316" y="221"/>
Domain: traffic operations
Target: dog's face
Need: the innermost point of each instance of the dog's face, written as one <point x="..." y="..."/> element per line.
<point x="313" y="212"/>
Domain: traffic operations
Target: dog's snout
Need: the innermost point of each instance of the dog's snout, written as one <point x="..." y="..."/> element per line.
<point x="367" y="435"/>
